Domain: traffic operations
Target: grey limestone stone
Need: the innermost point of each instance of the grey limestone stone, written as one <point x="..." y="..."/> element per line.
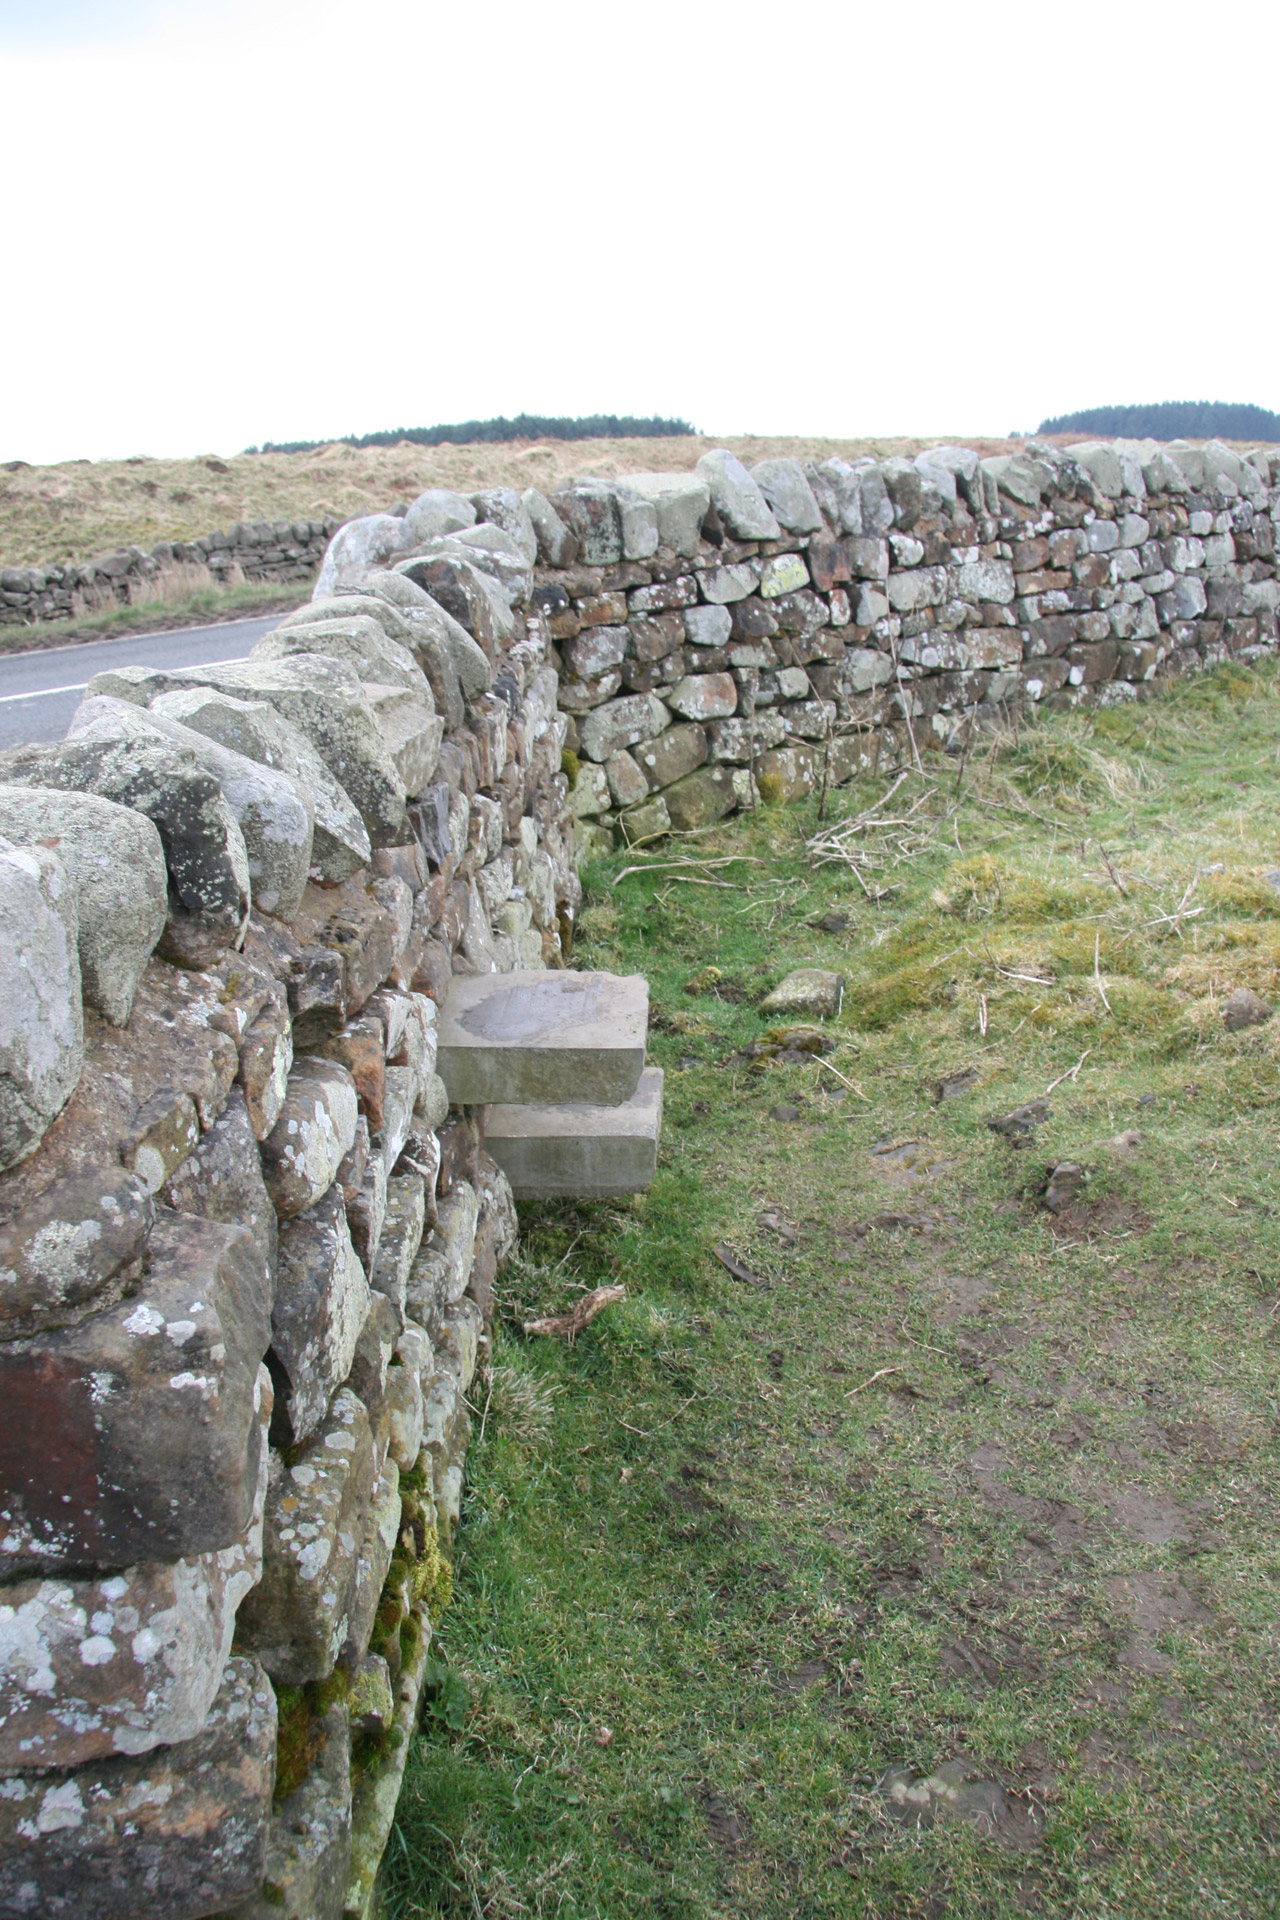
<point x="789" y="495"/>
<point x="621" y="723"/>
<point x="360" y="546"/>
<point x="680" y="502"/>
<point x="435" y="512"/>
<point x="115" y="860"/>
<point x="204" y="848"/>
<point x="356" y="639"/>
<point x="274" y="818"/>
<point x="556" y="544"/>
<point x="736" y="497"/>
<point x="504" y="507"/>
<point x="321" y="1301"/>
<point x="61" y="1254"/>
<point x="311" y="1138"/>
<point x="41" y="1021"/>
<point x="340" y="843"/>
<point x="297" y="1618"/>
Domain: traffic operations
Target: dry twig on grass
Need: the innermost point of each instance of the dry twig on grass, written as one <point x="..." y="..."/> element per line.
<point x="569" y="1325"/>
<point x="1071" y="1072"/>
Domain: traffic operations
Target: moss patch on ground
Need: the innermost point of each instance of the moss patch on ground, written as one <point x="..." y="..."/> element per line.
<point x="932" y="1567"/>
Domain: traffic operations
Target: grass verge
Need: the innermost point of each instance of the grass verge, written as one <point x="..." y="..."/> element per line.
<point x="931" y="1567"/>
<point x="205" y="606"/>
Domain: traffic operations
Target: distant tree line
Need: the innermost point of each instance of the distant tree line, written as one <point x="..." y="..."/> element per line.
<point x="1172" y="420"/>
<point x="525" y="426"/>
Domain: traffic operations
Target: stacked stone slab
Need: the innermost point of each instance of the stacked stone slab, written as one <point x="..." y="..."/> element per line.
<point x="562" y="1055"/>
<point x="725" y="635"/>
<point x="248" y="1247"/>
<point x="269" y="550"/>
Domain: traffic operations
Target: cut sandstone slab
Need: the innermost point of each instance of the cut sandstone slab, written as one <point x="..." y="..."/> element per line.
<point x="585" y="1152"/>
<point x="543" y="1037"/>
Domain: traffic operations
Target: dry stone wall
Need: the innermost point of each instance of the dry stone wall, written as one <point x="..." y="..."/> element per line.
<point x="280" y="550"/>
<point x="726" y="635"/>
<point x="247" y="1249"/>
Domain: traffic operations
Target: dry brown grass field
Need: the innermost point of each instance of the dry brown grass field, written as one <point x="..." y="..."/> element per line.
<point x="84" y="507"/>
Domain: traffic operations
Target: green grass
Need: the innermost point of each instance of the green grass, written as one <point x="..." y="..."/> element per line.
<point x="1000" y="1491"/>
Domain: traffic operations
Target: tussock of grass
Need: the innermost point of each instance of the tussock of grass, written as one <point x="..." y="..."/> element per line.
<point x="982" y="1484"/>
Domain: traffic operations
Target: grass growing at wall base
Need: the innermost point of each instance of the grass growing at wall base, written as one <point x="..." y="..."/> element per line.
<point x="974" y="1496"/>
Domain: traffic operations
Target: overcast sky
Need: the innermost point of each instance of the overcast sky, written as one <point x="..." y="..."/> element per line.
<point x="226" y="221"/>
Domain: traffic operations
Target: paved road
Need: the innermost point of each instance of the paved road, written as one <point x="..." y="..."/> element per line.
<point x="39" y="692"/>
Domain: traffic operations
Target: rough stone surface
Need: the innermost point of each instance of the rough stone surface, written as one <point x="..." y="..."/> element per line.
<point x="360" y="546"/>
<point x="174" y="1833"/>
<point x="340" y="843"/>
<point x="811" y="990"/>
<point x="736" y="497"/>
<point x="295" y="1620"/>
<point x="680" y="502"/>
<point x="204" y="849"/>
<point x="76" y="1246"/>
<point x="41" y="1022"/>
<point x="274" y="819"/>
<point x="115" y="861"/>
<point x="788" y="494"/>
<point x="313" y="1135"/>
<point x="148" y="1411"/>
<point x="321" y="1301"/>
<point x="126" y="1661"/>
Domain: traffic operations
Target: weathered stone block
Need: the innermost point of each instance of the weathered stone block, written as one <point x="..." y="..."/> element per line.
<point x="315" y="1131"/>
<point x="115" y="860"/>
<point x="147" y="1410"/>
<point x="296" y="1619"/>
<point x="674" y="753"/>
<point x="221" y="1179"/>
<point x="123" y="1662"/>
<point x="704" y="696"/>
<point x="176" y="1833"/>
<point x="443" y="1267"/>
<point x="321" y="1300"/>
<point x="72" y="1248"/>
<point x="699" y="798"/>
<point x="736" y="497"/>
<point x="204" y="848"/>
<point x="400" y="1239"/>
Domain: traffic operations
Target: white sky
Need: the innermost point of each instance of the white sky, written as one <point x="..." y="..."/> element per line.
<point x="226" y="221"/>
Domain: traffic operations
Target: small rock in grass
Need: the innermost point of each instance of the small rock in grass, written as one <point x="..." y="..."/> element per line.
<point x="784" y="1113"/>
<point x="1065" y="1184"/>
<point x="952" y="1085"/>
<point x="1244" y="1008"/>
<point x="1019" y="1124"/>
<point x="810" y="990"/>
